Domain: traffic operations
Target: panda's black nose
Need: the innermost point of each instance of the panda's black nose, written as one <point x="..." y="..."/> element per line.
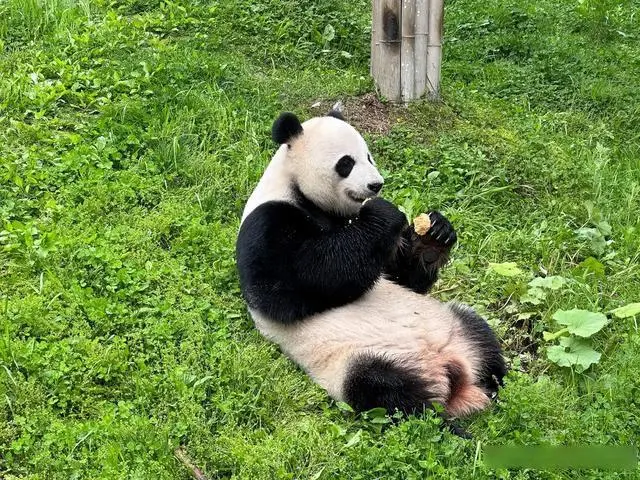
<point x="375" y="187"/>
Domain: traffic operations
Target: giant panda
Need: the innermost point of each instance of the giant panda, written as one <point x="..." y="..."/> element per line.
<point x="336" y="276"/>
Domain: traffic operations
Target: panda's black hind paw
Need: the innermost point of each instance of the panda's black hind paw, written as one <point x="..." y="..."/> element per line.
<point x="454" y="427"/>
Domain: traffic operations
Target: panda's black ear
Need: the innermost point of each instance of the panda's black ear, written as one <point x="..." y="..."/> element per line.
<point x="336" y="114"/>
<point x="285" y="128"/>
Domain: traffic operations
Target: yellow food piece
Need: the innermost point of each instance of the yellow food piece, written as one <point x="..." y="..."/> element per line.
<point x="422" y="224"/>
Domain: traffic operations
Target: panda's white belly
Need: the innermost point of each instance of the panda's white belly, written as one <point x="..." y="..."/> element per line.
<point x="389" y="319"/>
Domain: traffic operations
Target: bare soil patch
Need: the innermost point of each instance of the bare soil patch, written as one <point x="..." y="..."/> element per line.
<point x="366" y="112"/>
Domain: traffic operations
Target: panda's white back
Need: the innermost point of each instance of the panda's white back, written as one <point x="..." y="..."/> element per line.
<point x="274" y="185"/>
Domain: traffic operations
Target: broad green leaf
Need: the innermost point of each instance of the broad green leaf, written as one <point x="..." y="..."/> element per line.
<point x="345" y="407"/>
<point x="630" y="310"/>
<point x="337" y="430"/>
<point x="597" y="240"/>
<point x="329" y="33"/>
<point x="598" y="244"/>
<point x="378" y="412"/>
<point x="553" y="282"/>
<point x="587" y="232"/>
<point x="591" y="266"/>
<point x="101" y="142"/>
<point x="354" y="439"/>
<point x="573" y="351"/>
<point x="581" y="322"/>
<point x="427" y="464"/>
<point x="559" y="356"/>
<point x="409" y="207"/>
<point x="381" y="420"/>
<point x="534" y="296"/>
<point x="605" y="228"/>
<point x="507" y="269"/>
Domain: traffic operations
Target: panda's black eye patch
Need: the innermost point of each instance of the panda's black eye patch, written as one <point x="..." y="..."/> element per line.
<point x="345" y="165"/>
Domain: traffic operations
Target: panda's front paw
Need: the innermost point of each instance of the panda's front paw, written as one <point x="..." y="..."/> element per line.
<point x="379" y="211"/>
<point x="441" y="231"/>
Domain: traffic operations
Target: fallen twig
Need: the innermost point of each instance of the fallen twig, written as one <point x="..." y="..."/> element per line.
<point x="195" y="472"/>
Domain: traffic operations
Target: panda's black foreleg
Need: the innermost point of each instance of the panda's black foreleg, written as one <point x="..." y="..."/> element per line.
<point x="333" y="267"/>
<point x="418" y="258"/>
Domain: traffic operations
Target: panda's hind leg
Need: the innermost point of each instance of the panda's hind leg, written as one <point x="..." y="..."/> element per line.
<point x="478" y="333"/>
<point x="413" y="385"/>
<point x="376" y="380"/>
<point x="464" y="396"/>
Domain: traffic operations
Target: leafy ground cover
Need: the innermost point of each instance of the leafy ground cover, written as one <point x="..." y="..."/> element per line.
<point x="132" y="132"/>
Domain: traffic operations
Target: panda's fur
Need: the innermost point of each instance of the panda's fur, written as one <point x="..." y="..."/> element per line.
<point x="340" y="284"/>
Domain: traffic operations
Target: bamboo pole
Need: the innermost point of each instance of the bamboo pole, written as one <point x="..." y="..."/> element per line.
<point x="375" y="37"/>
<point x="421" y="33"/>
<point x="407" y="52"/>
<point x="434" y="48"/>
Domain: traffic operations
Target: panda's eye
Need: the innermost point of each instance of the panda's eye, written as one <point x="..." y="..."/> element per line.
<point x="345" y="165"/>
<point x="369" y="158"/>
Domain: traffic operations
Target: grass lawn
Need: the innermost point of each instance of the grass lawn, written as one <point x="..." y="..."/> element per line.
<point x="133" y="131"/>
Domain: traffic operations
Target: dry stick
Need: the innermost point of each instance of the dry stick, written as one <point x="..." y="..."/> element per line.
<point x="195" y="472"/>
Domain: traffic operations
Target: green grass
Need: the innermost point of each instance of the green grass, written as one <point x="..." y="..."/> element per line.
<point x="132" y="133"/>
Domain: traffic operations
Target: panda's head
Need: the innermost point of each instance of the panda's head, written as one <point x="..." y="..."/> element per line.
<point x="329" y="161"/>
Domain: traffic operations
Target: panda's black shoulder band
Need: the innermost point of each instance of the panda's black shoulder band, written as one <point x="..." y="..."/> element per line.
<point x="285" y="128"/>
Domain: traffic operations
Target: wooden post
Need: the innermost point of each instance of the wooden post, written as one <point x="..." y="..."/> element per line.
<point x="406" y="51"/>
<point x="385" y="51"/>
